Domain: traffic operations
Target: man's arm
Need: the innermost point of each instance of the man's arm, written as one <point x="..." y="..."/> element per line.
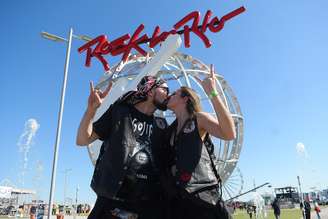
<point x="86" y="134"/>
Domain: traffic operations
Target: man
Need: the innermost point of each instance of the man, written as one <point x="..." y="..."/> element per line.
<point x="276" y="208"/>
<point x="126" y="175"/>
<point x="250" y="210"/>
<point x="33" y="212"/>
<point x="307" y="208"/>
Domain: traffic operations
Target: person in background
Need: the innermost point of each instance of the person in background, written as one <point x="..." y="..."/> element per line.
<point x="250" y="211"/>
<point x="317" y="209"/>
<point x="276" y="208"/>
<point x="307" y="208"/>
<point x="33" y="212"/>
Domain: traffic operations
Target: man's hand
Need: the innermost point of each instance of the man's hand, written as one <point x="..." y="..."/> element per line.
<point x="96" y="96"/>
<point x="209" y="83"/>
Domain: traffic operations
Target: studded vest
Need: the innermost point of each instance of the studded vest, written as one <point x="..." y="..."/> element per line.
<point x="117" y="149"/>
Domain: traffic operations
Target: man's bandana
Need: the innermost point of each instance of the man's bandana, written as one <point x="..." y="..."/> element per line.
<point x="145" y="85"/>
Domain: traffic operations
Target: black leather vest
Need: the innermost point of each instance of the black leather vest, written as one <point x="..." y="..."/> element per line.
<point x="116" y="150"/>
<point x="193" y="165"/>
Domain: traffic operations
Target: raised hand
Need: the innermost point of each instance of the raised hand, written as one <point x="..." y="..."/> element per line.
<point x="96" y="97"/>
<point x="209" y="83"/>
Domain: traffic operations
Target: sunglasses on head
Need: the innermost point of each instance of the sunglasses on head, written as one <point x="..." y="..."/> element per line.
<point x="165" y="88"/>
<point x="184" y="94"/>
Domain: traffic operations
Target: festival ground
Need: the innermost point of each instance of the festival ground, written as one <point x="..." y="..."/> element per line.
<point x="285" y="213"/>
<point x="52" y="217"/>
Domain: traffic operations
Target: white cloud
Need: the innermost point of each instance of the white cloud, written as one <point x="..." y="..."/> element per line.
<point x="301" y="150"/>
<point x="24" y="143"/>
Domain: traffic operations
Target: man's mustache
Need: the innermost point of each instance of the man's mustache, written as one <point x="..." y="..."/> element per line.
<point x="166" y="101"/>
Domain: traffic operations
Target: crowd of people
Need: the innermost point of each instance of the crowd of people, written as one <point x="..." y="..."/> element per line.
<point x="305" y="208"/>
<point x="38" y="210"/>
<point x="80" y="209"/>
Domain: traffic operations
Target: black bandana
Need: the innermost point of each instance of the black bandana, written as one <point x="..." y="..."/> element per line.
<point x="145" y="85"/>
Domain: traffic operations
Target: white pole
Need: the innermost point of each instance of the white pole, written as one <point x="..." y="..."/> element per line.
<point x="76" y="197"/>
<point x="66" y="172"/>
<point x="60" y="115"/>
<point x="301" y="194"/>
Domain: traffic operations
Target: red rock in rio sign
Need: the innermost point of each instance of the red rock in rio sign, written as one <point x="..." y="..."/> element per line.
<point x="120" y="45"/>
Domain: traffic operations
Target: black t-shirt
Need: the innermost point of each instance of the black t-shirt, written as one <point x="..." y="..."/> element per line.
<point x="141" y="168"/>
<point x="102" y="127"/>
<point x="33" y="210"/>
<point x="141" y="163"/>
<point x="142" y="175"/>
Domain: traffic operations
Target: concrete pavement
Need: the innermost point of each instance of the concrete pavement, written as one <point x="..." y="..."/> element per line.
<point x="323" y="213"/>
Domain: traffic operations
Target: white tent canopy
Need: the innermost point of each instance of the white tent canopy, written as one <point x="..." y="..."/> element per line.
<point x="5" y="192"/>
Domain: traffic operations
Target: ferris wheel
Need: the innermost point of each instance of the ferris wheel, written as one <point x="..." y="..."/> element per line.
<point x="6" y="182"/>
<point x="234" y="185"/>
<point x="178" y="70"/>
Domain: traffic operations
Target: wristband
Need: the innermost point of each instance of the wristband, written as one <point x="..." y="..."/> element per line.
<point x="213" y="93"/>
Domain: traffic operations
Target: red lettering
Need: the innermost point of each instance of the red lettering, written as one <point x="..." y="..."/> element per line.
<point x="103" y="61"/>
<point x="233" y="13"/>
<point x="205" y="21"/>
<point x="104" y="49"/>
<point x="220" y="23"/>
<point x="100" y="41"/>
<point x="88" y="59"/>
<point x="155" y="39"/>
<point x="194" y="28"/>
<point x="119" y="46"/>
<point x="216" y="25"/>
<point x="186" y="35"/>
<point x="134" y="43"/>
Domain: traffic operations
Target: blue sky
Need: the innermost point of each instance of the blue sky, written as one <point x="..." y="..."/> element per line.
<point x="273" y="56"/>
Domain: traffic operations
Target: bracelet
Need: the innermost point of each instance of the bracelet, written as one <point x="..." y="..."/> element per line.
<point x="213" y="93"/>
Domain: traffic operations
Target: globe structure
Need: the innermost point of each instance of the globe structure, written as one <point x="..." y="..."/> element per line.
<point x="179" y="70"/>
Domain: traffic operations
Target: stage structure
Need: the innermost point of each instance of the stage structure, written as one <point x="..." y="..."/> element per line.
<point x="287" y="194"/>
<point x="14" y="196"/>
<point x="179" y="70"/>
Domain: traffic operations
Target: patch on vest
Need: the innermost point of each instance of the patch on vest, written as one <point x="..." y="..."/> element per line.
<point x="160" y="123"/>
<point x="189" y="127"/>
<point x="142" y="176"/>
<point x="142" y="158"/>
<point x="185" y="177"/>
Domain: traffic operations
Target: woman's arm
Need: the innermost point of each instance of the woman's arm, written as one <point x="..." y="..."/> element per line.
<point x="223" y="126"/>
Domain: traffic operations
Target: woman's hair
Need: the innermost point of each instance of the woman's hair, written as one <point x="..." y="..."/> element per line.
<point x="193" y="102"/>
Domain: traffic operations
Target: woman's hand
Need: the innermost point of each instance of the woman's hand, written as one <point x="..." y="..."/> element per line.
<point x="209" y="83"/>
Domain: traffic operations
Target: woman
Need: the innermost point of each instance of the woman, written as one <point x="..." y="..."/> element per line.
<point x="191" y="152"/>
<point x="317" y="209"/>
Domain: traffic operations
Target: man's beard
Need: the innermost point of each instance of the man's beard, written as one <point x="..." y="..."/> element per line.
<point x="161" y="105"/>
